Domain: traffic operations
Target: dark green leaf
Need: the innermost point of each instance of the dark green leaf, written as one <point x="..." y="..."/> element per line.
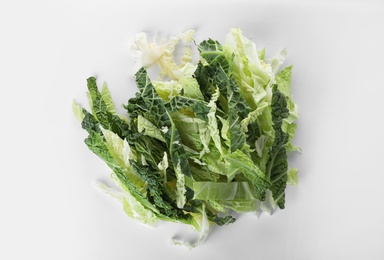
<point x="277" y="165"/>
<point x="106" y="119"/>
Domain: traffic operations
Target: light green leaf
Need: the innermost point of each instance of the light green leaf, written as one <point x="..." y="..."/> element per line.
<point x="241" y="162"/>
<point x="149" y="129"/>
<point x="193" y="132"/>
<point x="167" y="89"/>
<point x="77" y="111"/>
<point x="191" y="88"/>
<point x="293" y="177"/>
<point x="130" y="204"/>
<point x="250" y="73"/>
<point x="107" y="98"/>
<point x="278" y="60"/>
<point x="219" y="191"/>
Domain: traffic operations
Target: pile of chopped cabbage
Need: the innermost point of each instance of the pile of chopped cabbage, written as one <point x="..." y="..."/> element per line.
<point x="204" y="139"/>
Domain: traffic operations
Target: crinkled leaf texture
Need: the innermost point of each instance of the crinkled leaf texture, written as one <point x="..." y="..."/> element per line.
<point x="202" y="141"/>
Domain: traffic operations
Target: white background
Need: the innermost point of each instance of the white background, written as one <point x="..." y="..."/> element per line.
<point x="48" y="207"/>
